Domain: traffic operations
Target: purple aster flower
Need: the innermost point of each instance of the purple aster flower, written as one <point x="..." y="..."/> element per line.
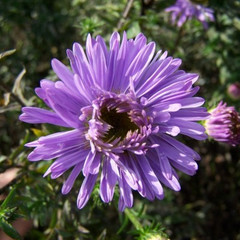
<point x="123" y="107"/>
<point x="224" y="124"/>
<point x="234" y="91"/>
<point x="183" y="10"/>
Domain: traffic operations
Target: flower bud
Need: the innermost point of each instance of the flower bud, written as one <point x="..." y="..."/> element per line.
<point x="234" y="91"/>
<point x="224" y="124"/>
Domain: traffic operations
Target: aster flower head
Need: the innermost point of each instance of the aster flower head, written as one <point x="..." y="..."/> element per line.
<point x="124" y="106"/>
<point x="224" y="124"/>
<point x="183" y="10"/>
<point x="234" y="90"/>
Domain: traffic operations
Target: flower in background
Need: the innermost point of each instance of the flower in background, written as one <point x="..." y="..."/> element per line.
<point x="234" y="91"/>
<point x="123" y="106"/>
<point x="224" y="124"/>
<point x="183" y="10"/>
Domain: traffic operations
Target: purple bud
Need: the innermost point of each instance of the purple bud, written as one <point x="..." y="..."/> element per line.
<point x="234" y="91"/>
<point x="224" y="124"/>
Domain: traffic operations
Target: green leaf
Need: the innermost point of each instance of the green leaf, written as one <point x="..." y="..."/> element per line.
<point x="3" y="158"/>
<point x="7" y="53"/>
<point x="19" y="149"/>
<point x="8" y="199"/>
<point x="124" y="224"/>
<point x="134" y="30"/>
<point x="37" y="132"/>
<point x="53" y="219"/>
<point x="9" y="230"/>
<point x="236" y="23"/>
<point x="131" y="216"/>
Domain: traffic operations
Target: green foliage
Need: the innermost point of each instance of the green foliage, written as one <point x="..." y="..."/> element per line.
<point x="9" y="230"/>
<point x="153" y="232"/>
<point x="89" y="25"/>
<point x="9" y="213"/>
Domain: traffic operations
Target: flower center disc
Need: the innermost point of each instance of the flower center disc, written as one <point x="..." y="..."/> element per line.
<point x="120" y="124"/>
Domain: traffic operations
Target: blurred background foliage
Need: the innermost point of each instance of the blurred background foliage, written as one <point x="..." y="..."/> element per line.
<point x="207" y="207"/>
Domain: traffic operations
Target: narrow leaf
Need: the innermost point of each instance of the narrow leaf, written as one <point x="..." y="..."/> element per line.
<point x="9" y="230"/>
<point x="9" y="198"/>
<point x="7" y="53"/>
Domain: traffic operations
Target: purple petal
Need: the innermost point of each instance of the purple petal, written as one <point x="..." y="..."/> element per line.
<point x="125" y="193"/>
<point x="92" y="163"/>
<point x="68" y="184"/>
<point x="86" y="190"/>
<point x="108" y="181"/>
<point x="38" y="115"/>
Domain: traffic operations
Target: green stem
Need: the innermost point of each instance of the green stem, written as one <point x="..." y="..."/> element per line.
<point x="20" y="148"/>
<point x="125" y="14"/>
<point x="133" y="219"/>
<point x="178" y="39"/>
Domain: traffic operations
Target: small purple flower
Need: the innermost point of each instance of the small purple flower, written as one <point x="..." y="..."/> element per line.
<point x="183" y="10"/>
<point x="224" y="124"/>
<point x="234" y="91"/>
<point x="123" y="107"/>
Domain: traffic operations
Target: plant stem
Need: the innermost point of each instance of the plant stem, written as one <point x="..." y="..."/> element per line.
<point x="125" y="14"/>
<point x="133" y="219"/>
<point x="178" y="39"/>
